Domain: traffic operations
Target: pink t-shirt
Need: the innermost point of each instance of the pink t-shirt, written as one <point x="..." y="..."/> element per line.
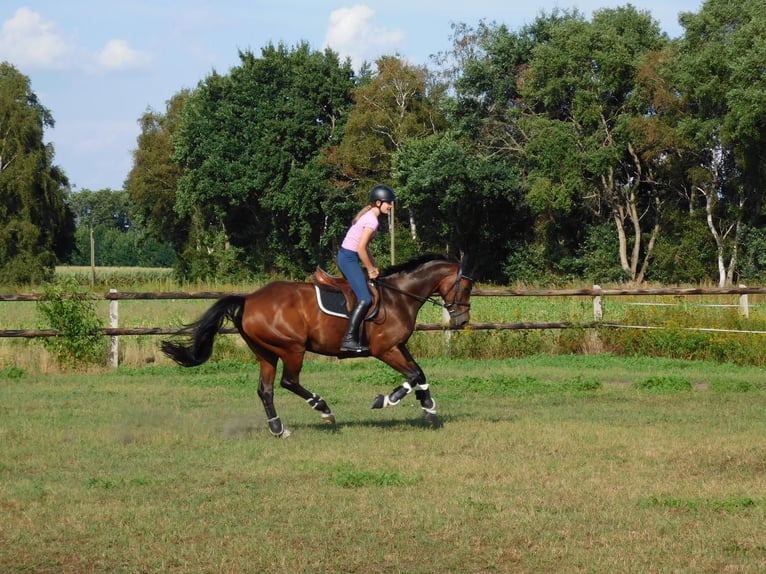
<point x="354" y="234"/>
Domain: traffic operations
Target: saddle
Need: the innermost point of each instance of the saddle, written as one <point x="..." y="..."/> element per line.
<point x="336" y="297"/>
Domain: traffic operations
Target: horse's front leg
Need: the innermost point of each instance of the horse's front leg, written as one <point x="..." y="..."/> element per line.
<point x="399" y="358"/>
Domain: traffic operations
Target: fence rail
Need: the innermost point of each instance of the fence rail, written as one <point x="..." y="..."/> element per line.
<point x="595" y="293"/>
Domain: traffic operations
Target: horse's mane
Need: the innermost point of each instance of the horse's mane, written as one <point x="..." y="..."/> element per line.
<point x="412" y="264"/>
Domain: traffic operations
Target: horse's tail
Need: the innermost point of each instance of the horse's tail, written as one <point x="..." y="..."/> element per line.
<point x="204" y="330"/>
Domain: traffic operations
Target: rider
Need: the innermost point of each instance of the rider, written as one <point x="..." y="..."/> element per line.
<point x="356" y="248"/>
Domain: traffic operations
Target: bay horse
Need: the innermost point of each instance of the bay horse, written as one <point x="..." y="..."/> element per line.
<point x="283" y="320"/>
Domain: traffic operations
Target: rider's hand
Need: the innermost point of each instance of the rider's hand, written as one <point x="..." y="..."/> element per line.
<point x="373" y="273"/>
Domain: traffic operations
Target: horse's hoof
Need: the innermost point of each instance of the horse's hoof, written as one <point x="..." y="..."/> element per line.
<point x="328" y="419"/>
<point x="284" y="434"/>
<point x="431" y="419"/>
<point x="379" y="402"/>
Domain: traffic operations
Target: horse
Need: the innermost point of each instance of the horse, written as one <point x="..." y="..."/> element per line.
<point x="283" y="320"/>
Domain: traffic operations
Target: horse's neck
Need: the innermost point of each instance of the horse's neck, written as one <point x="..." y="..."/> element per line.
<point x="422" y="286"/>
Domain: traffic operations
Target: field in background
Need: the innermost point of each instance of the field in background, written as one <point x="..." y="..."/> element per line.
<point x="114" y="277"/>
<point x="547" y="464"/>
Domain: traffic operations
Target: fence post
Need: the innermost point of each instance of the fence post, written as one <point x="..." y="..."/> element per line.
<point x="447" y="332"/>
<point x="744" y="306"/>
<point x="598" y="312"/>
<point x="114" y="350"/>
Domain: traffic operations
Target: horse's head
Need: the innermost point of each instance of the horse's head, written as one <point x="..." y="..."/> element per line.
<point x="430" y="274"/>
<point x="455" y="289"/>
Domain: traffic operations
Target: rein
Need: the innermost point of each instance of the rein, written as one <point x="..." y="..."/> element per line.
<point x="430" y="299"/>
<point x="420" y="298"/>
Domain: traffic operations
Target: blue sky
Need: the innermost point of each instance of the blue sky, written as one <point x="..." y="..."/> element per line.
<point x="98" y="65"/>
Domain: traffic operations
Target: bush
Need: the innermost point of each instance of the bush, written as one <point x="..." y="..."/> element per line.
<point x="688" y="256"/>
<point x="528" y="263"/>
<point x="69" y="309"/>
<point x="664" y="384"/>
<point x="678" y="335"/>
<point x="600" y="259"/>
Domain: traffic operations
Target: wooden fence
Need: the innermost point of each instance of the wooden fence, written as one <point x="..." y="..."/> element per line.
<point x="596" y="293"/>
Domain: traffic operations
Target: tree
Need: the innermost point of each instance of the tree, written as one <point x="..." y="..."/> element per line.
<point x="717" y="78"/>
<point x="488" y="66"/>
<point x="582" y="86"/>
<point x="399" y="104"/>
<point x="153" y="179"/>
<point x="103" y="208"/>
<point x="464" y="201"/>
<point x="251" y="145"/>
<point x="396" y="105"/>
<point x="106" y="217"/>
<point x="36" y="225"/>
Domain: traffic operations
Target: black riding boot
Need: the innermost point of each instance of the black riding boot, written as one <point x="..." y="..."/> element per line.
<point x="351" y="340"/>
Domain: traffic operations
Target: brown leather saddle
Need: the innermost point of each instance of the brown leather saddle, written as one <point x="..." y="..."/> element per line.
<point x="336" y="297"/>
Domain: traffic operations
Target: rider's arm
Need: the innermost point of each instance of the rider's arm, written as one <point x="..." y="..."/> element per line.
<point x="365" y="255"/>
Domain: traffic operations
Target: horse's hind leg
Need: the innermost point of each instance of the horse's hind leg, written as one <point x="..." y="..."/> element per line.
<point x="267" y="375"/>
<point x="292" y="365"/>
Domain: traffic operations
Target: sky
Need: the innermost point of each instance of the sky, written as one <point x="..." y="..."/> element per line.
<point x="98" y="65"/>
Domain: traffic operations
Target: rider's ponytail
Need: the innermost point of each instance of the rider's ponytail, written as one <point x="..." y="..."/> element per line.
<point x="364" y="210"/>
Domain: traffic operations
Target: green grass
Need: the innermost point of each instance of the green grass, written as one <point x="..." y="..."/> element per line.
<point x="546" y="464"/>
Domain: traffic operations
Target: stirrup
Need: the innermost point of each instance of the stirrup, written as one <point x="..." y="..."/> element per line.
<point x="353" y="347"/>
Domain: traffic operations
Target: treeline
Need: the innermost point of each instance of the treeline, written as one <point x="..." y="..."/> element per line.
<point x="568" y="149"/>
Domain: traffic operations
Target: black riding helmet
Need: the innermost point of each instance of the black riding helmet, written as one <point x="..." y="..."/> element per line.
<point x="382" y="193"/>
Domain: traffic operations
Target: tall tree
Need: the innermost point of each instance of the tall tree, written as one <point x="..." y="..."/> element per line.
<point x="718" y="79"/>
<point x="153" y="179"/>
<point x="398" y="103"/>
<point x="36" y="225"/>
<point x="251" y="144"/>
<point x="489" y="65"/>
<point x="463" y="200"/>
<point x="580" y="96"/>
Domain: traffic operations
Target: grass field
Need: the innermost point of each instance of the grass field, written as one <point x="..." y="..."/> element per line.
<point x="544" y="464"/>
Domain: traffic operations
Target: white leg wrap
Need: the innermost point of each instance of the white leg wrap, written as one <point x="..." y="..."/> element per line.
<point x="281" y="431"/>
<point x="390" y="402"/>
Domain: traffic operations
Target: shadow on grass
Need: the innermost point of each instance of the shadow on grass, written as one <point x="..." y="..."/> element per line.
<point x="418" y="422"/>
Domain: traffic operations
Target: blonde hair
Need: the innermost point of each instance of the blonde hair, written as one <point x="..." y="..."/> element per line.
<point x="362" y="211"/>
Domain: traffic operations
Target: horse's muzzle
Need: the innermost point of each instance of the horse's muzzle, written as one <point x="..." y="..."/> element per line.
<point x="459" y="319"/>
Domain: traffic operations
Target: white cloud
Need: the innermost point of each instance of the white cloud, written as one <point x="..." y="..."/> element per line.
<point x="352" y="34"/>
<point x="29" y="41"/>
<point x="118" y="55"/>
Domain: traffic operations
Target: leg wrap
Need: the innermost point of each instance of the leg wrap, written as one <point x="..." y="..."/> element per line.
<point x="427" y="403"/>
<point x="275" y="426"/>
<point x="394" y="398"/>
<point x="424" y="396"/>
<point x="399" y="393"/>
<point x="318" y="404"/>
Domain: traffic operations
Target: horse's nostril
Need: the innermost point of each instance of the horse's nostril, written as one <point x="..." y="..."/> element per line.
<point x="459" y="321"/>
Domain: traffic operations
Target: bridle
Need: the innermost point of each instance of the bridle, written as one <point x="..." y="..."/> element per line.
<point x="450" y="307"/>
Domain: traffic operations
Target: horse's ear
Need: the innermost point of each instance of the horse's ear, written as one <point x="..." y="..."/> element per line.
<point x="463" y="269"/>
